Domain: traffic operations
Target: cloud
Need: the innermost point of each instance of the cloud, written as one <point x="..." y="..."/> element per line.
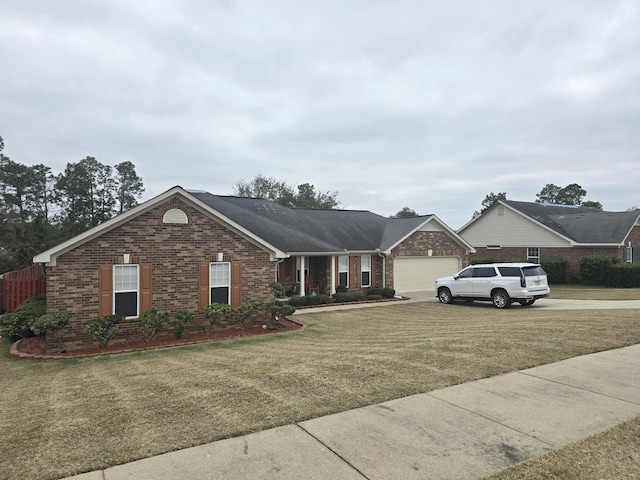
<point x="430" y="105"/>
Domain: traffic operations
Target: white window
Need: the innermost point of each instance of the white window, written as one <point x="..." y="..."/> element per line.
<point x="493" y="247"/>
<point x="306" y="268"/>
<point x="126" y="282"/>
<point x="365" y="268"/>
<point x="533" y="254"/>
<point x="343" y="270"/>
<point x="220" y="282"/>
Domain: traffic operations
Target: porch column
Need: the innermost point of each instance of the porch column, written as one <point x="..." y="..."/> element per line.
<point x="333" y="274"/>
<point x="303" y="290"/>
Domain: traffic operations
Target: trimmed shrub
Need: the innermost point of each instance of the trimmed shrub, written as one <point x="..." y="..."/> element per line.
<point x="557" y="270"/>
<point x="52" y="323"/>
<point x="374" y="291"/>
<point x="152" y="322"/>
<point x="17" y="325"/>
<point x="342" y="297"/>
<point x="214" y="313"/>
<point x="374" y="297"/>
<point x="299" y="301"/>
<point x="623" y="275"/>
<point x="388" y="292"/>
<point x="593" y="268"/>
<point x="480" y="260"/>
<point x="341" y="289"/>
<point x="104" y="328"/>
<point x="181" y="319"/>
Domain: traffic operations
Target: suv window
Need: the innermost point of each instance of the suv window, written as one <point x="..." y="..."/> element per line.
<point x="467" y="273"/>
<point x="533" y="271"/>
<point x="509" y="271"/>
<point x="484" y="272"/>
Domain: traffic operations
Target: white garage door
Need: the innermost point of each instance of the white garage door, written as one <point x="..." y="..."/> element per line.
<point x="415" y="274"/>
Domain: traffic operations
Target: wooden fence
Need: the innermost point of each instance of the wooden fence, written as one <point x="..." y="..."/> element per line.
<point x="17" y="286"/>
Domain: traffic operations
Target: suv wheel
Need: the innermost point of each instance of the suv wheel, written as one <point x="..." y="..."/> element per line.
<point x="444" y="295"/>
<point x="500" y="299"/>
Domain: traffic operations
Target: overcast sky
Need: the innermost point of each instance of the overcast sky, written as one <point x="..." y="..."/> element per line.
<point x="426" y="104"/>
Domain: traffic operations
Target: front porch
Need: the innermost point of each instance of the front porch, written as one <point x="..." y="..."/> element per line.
<point x="322" y="274"/>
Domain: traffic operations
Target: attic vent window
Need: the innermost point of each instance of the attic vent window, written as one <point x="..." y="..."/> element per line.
<point x="175" y="215"/>
<point x="500" y="210"/>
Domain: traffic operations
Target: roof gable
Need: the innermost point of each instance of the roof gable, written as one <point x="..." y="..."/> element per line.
<point x="279" y="229"/>
<point x="579" y="225"/>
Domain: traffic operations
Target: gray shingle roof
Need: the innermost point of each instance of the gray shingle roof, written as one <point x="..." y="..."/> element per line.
<point x="580" y="224"/>
<point x="309" y="230"/>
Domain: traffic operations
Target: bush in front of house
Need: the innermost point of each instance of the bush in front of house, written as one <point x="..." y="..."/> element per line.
<point x="341" y="289"/>
<point x="557" y="270"/>
<point x="374" y="297"/>
<point x="152" y="322"/>
<point x="593" y="268"/>
<point x="299" y="301"/>
<point x="180" y="322"/>
<point x="51" y="324"/>
<point x="342" y="297"/>
<point x="243" y="312"/>
<point x="480" y="260"/>
<point x="17" y="325"/>
<point x="374" y="291"/>
<point x="104" y="329"/>
<point x="623" y="275"/>
<point x="214" y="313"/>
<point x="388" y="292"/>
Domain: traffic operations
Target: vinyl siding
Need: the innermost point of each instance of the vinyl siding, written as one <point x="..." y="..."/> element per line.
<point x="509" y="230"/>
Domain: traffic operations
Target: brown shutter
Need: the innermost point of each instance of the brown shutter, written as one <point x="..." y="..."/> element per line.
<point x="203" y="286"/>
<point x="105" y="304"/>
<point x="236" y="283"/>
<point x="146" y="287"/>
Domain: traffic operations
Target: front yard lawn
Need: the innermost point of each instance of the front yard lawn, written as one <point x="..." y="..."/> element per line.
<point x="58" y="418"/>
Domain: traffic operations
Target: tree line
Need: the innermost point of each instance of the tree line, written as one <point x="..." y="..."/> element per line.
<point x="39" y="209"/>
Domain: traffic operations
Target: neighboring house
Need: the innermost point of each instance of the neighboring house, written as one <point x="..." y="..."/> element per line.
<point x="541" y="231"/>
<point x="185" y="249"/>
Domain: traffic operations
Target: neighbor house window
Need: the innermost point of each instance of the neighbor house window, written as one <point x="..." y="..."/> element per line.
<point x="220" y="282"/>
<point x="365" y="268"/>
<point x="343" y="270"/>
<point x="298" y="266"/>
<point x="533" y="254"/>
<point x="628" y="254"/>
<point x="126" y="283"/>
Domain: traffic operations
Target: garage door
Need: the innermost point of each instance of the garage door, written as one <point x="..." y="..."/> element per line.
<point x="415" y="274"/>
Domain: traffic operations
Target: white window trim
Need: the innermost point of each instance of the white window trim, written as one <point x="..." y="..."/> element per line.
<point x="121" y="266"/>
<point x="362" y="270"/>
<point x="629" y="254"/>
<point x="228" y="284"/>
<point x="536" y="257"/>
<point x="341" y="270"/>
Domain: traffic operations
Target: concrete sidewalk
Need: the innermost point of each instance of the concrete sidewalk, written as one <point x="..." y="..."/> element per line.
<point x="461" y="432"/>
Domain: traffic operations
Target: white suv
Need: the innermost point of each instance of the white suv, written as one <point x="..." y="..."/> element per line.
<point x="500" y="283"/>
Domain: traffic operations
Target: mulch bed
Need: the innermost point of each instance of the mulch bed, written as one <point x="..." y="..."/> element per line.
<point x="36" y="347"/>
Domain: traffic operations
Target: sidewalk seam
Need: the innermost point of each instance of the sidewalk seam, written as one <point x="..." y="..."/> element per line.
<point x="557" y="382"/>
<point x="332" y="451"/>
<point x="509" y="427"/>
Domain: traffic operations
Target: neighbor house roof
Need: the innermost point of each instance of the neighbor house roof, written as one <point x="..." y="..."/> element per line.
<point x="281" y="230"/>
<point x="581" y="225"/>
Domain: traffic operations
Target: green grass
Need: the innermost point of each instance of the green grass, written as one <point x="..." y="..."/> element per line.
<point x="58" y="418"/>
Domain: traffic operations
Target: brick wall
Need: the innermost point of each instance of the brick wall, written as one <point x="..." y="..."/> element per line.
<point x="173" y="250"/>
<point x="419" y="244"/>
<point x="571" y="254"/>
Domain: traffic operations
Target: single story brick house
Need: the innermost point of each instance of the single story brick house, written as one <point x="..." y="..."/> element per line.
<point x="539" y="231"/>
<point x="183" y="250"/>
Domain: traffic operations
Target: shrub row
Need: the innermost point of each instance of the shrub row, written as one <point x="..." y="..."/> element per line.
<point x="380" y="292"/>
<point x="309" y="300"/>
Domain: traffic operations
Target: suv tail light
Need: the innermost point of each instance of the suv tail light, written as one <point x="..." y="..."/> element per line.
<point x="523" y="280"/>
